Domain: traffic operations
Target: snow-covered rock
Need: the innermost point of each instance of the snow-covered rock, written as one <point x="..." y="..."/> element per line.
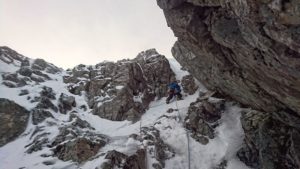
<point x="202" y="119"/>
<point x="122" y="90"/>
<point x="70" y="117"/>
<point x="13" y="120"/>
<point x="189" y="85"/>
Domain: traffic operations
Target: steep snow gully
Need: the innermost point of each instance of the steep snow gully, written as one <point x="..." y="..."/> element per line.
<point x="222" y="148"/>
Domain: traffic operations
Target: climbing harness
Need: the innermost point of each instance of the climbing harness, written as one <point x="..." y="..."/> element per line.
<point x="187" y="136"/>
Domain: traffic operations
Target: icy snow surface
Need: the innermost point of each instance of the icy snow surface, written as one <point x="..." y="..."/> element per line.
<point x="223" y="147"/>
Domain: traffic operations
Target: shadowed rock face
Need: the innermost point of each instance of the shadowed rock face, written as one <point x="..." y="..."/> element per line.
<point x="269" y="143"/>
<point x="13" y="120"/>
<point x="249" y="50"/>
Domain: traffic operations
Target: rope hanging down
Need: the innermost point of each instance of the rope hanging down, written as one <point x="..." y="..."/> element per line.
<point x="187" y="136"/>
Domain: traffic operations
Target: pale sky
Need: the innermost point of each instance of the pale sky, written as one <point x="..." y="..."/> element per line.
<point x="70" y="32"/>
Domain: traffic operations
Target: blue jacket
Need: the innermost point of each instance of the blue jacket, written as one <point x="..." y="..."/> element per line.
<point x="175" y="86"/>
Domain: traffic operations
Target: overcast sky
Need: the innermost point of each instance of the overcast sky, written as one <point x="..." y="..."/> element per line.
<point x="70" y="32"/>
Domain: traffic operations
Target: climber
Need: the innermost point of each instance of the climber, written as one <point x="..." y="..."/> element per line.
<point x="174" y="90"/>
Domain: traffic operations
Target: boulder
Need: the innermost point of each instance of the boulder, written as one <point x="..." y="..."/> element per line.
<point x="202" y="119"/>
<point x="81" y="71"/>
<point x="9" y="84"/>
<point x="13" y="120"/>
<point x="24" y="92"/>
<point x="41" y="74"/>
<point x="78" y="150"/>
<point x="156" y="147"/>
<point x="76" y="143"/>
<point x="48" y="92"/>
<point x="66" y="103"/>
<point x="25" y="63"/>
<point x="45" y="103"/>
<point x="13" y="78"/>
<point x="38" y="143"/>
<point x="39" y="64"/>
<point x="39" y="115"/>
<point x="188" y="84"/>
<point x="25" y="71"/>
<point x="42" y="65"/>
<point x="120" y="160"/>
<point x="79" y="122"/>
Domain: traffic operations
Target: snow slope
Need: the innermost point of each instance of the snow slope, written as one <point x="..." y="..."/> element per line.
<point x="222" y="147"/>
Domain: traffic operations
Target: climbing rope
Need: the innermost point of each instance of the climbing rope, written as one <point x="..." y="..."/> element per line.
<point x="187" y="136"/>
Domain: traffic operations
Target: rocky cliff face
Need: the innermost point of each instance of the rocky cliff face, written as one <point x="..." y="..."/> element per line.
<point x="248" y="50"/>
<point x="122" y="90"/>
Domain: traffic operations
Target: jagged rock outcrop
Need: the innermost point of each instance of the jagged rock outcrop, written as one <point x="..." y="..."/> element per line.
<point x="154" y="151"/>
<point x="76" y="141"/>
<point x="39" y="115"/>
<point x="42" y="65"/>
<point x="270" y="143"/>
<point x="248" y="50"/>
<point x="66" y="103"/>
<point x="47" y="95"/>
<point x="202" y="118"/>
<point x="25" y="73"/>
<point x="122" y="90"/>
<point x="120" y="160"/>
<point x="156" y="69"/>
<point x="76" y="121"/>
<point x="157" y="148"/>
<point x="12" y="80"/>
<point x="188" y="84"/>
<point x="10" y="56"/>
<point x="79" y="150"/>
<point x="13" y="120"/>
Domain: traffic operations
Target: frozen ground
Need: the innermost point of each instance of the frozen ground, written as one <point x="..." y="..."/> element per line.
<point x="223" y="147"/>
